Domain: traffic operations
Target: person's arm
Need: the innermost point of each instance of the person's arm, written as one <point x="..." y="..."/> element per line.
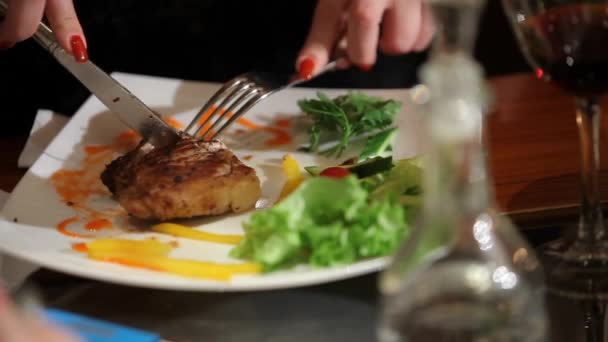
<point x="23" y="17"/>
<point x="359" y="27"/>
<point x="15" y="326"/>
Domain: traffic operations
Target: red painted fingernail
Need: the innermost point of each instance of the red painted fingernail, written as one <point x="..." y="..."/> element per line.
<point x="6" y="45"/>
<point x="78" y="49"/>
<point x="306" y="68"/>
<point x="366" y="67"/>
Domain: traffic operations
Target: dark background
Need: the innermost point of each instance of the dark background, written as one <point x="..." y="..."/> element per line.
<point x="210" y="40"/>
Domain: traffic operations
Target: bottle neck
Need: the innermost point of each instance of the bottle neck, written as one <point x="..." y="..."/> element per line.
<point x="457" y="178"/>
<point x="456" y="24"/>
<point x="455" y="182"/>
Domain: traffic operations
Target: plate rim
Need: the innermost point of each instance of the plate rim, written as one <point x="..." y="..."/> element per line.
<point x="323" y="275"/>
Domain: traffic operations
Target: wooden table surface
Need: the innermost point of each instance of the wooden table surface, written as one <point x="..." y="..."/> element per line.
<point x="534" y="147"/>
<point x="534" y="151"/>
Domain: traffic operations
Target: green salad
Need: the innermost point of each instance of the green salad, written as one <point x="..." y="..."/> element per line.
<point x="359" y="209"/>
<point x="329" y="221"/>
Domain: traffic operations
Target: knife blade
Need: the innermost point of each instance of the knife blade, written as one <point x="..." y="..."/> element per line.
<point x="129" y="109"/>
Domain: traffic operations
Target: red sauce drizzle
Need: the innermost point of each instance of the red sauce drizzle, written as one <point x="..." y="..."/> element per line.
<point x="282" y="123"/>
<point x="80" y="247"/>
<point x="99" y="224"/>
<point x="173" y="123"/>
<point x="62" y="227"/>
<point x="280" y="135"/>
<point x="77" y="186"/>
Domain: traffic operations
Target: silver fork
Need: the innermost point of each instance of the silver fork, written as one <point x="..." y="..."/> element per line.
<point x="238" y="95"/>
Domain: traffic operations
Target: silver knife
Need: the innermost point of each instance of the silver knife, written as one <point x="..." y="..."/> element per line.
<point x="131" y="111"/>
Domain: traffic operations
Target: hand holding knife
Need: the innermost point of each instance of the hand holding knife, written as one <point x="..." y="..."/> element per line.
<point x="131" y="111"/>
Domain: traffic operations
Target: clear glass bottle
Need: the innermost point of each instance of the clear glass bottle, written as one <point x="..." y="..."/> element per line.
<point x="465" y="273"/>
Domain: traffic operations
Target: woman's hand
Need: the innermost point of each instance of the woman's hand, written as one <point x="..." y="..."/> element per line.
<point x="16" y="327"/>
<point x="360" y="27"/>
<point x="23" y="17"/>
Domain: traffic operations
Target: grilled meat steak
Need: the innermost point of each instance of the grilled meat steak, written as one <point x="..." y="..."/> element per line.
<point x="191" y="178"/>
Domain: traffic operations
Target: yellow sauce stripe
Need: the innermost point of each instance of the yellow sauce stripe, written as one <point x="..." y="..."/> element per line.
<point x="194" y="234"/>
<point x="181" y="267"/>
<point x="140" y="247"/>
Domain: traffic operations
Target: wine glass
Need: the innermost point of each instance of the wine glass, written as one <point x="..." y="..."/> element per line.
<point x="566" y="42"/>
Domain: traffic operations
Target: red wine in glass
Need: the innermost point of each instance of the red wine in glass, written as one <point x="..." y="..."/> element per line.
<point x="568" y="45"/>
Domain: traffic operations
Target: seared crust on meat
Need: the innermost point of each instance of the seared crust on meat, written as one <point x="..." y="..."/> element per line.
<point x="190" y="178"/>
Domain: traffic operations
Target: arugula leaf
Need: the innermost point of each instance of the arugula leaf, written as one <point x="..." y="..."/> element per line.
<point x="350" y="115"/>
<point x="378" y="143"/>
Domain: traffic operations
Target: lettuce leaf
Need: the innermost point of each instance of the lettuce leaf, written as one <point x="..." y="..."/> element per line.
<point x="325" y="222"/>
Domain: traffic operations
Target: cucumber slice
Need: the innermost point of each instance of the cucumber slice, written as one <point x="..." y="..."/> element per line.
<point x="364" y="169"/>
<point x="372" y="166"/>
<point x="313" y="170"/>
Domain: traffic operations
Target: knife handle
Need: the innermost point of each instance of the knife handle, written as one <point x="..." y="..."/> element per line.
<point x="46" y="38"/>
<point x="44" y="35"/>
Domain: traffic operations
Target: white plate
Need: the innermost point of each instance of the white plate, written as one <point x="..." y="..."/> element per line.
<point x="37" y="207"/>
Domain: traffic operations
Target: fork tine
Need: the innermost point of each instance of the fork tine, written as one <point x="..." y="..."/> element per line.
<point x="229" y="85"/>
<point x="240" y="112"/>
<point x="220" y="110"/>
<point x="265" y="82"/>
<point x="210" y="115"/>
<point x="252" y="90"/>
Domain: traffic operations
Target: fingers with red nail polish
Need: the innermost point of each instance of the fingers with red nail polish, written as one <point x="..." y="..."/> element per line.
<point x="324" y="34"/>
<point x="393" y="26"/>
<point x="79" y="50"/>
<point x="64" y="22"/>
<point x="23" y="18"/>
<point x="306" y="68"/>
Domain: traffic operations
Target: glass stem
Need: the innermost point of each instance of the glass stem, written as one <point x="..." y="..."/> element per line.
<point x="591" y="227"/>
<point x="595" y="314"/>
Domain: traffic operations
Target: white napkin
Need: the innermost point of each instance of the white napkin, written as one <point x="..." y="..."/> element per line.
<point x="47" y="125"/>
<point x="3" y="197"/>
<point x="13" y="272"/>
